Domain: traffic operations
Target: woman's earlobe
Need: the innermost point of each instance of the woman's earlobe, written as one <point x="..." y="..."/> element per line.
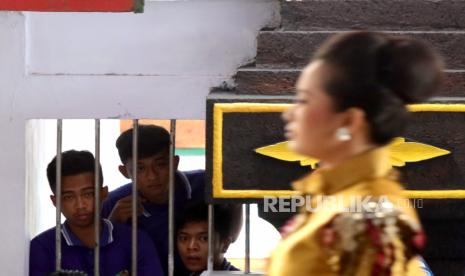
<point x="343" y="134"/>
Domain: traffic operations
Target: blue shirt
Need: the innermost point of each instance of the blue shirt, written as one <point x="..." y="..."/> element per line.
<point x="115" y="252"/>
<point x="225" y="266"/>
<point x="228" y="266"/>
<point x="189" y="186"/>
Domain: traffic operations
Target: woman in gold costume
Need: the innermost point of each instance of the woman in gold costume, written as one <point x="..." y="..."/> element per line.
<point x="351" y="101"/>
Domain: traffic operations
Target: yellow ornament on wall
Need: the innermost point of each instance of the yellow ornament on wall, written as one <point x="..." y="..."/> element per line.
<point x="402" y="152"/>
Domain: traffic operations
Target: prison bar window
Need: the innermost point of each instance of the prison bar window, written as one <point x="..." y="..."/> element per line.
<point x="97" y="214"/>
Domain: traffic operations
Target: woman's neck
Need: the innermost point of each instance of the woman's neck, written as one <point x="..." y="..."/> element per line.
<point x="343" y="154"/>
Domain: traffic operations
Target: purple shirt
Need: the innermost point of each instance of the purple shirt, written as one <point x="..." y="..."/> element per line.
<point x="189" y="186"/>
<point x="115" y="252"/>
<point x="228" y="266"/>
<point x="225" y="266"/>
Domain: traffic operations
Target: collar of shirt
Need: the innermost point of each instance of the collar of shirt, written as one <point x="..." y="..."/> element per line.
<point x="181" y="182"/>
<point x="368" y="165"/>
<point x="226" y="265"/>
<point x="72" y="240"/>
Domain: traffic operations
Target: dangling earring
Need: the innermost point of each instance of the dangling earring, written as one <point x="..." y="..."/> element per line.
<point x="343" y="134"/>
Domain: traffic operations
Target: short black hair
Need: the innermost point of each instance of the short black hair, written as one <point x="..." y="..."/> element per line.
<point x="227" y="218"/>
<point x="73" y="162"/>
<point x="380" y="74"/>
<point x="152" y="140"/>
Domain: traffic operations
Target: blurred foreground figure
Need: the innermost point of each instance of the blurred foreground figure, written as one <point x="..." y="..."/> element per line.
<point x="351" y="101"/>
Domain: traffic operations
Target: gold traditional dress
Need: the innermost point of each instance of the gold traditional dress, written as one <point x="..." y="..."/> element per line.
<point x="366" y="228"/>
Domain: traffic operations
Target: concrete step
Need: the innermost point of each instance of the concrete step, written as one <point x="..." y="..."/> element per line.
<point x="372" y="14"/>
<point x="282" y="82"/>
<point x="266" y="81"/>
<point x="293" y="49"/>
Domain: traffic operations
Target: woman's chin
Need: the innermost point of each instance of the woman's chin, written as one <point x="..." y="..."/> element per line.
<point x="297" y="148"/>
<point x="292" y="145"/>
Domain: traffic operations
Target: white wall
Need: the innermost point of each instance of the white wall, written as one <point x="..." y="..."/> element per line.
<point x="159" y="64"/>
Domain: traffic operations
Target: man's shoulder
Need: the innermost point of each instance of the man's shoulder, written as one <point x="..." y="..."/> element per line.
<point x="113" y="197"/>
<point x="197" y="183"/>
<point x="124" y="232"/>
<point x="196" y="175"/>
<point x="121" y="230"/>
<point x="228" y="266"/>
<point x="46" y="238"/>
<point x="121" y="191"/>
<point x="46" y="234"/>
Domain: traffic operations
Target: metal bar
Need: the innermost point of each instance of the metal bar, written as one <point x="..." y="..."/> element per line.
<point x="97" y="199"/>
<point x="171" y="199"/>
<point x="247" y="239"/>
<point x="58" y="196"/>
<point x="135" y="138"/>
<point x="211" y="237"/>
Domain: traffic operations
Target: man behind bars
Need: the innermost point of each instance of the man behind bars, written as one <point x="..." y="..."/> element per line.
<point x="153" y="187"/>
<point x="192" y="236"/>
<point x="78" y="238"/>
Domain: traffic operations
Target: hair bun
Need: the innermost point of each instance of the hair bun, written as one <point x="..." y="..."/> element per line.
<point x="409" y="68"/>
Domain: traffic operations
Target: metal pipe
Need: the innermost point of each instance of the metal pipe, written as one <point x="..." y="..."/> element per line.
<point x="135" y="138"/>
<point x="171" y="199"/>
<point x="97" y="199"/>
<point x="247" y="239"/>
<point x="211" y="236"/>
<point x="58" y="196"/>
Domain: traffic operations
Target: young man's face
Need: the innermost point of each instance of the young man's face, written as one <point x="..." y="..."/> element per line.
<point x="192" y="241"/>
<point x="77" y="200"/>
<point x="152" y="175"/>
